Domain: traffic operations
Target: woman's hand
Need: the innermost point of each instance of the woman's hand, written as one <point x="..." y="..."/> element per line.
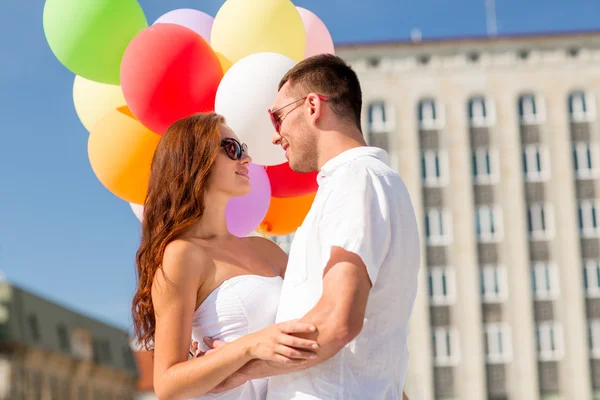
<point x="277" y="344"/>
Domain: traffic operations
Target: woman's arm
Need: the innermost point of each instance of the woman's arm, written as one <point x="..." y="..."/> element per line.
<point x="174" y="294"/>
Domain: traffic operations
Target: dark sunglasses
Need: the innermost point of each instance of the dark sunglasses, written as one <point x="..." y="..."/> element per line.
<point x="276" y="120"/>
<point x="234" y="149"/>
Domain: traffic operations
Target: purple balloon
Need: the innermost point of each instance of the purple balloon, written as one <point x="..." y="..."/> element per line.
<point x="198" y="21"/>
<point x="244" y="214"/>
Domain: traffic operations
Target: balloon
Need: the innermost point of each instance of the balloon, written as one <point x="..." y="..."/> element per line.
<point x="318" y="38"/>
<point x="243" y="27"/>
<point x="286" y="215"/>
<point x="225" y="63"/>
<point x="93" y="100"/>
<point x="120" y="151"/>
<point x="169" y="72"/>
<point x="245" y="213"/>
<point x="286" y="182"/>
<point x="89" y="37"/>
<point x="138" y="211"/>
<point x="245" y="94"/>
<point x="199" y="22"/>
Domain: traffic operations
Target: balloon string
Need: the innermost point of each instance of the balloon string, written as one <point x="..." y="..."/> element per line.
<point x="262" y="232"/>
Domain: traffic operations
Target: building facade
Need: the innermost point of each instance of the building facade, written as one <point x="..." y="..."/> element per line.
<point x="497" y="140"/>
<point x="48" y="352"/>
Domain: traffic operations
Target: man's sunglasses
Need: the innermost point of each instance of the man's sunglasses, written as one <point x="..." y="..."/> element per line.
<point x="234" y="149"/>
<point x="276" y="119"/>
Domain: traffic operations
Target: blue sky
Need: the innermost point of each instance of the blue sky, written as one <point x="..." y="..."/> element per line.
<point x="62" y="234"/>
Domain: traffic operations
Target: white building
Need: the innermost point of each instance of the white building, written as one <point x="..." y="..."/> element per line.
<point x="497" y="140"/>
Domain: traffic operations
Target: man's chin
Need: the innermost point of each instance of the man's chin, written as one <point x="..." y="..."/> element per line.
<point x="298" y="168"/>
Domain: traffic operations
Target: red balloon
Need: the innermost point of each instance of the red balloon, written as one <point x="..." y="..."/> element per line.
<point x="169" y="72"/>
<point x="285" y="182"/>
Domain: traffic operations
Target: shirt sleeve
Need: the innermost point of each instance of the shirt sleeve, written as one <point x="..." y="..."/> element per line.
<point x="356" y="217"/>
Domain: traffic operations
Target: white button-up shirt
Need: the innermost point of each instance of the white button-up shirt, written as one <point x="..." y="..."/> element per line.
<point x="363" y="206"/>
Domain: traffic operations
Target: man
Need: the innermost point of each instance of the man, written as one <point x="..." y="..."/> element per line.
<point x="353" y="264"/>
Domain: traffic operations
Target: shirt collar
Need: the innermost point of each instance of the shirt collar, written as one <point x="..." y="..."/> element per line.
<point x="350" y="155"/>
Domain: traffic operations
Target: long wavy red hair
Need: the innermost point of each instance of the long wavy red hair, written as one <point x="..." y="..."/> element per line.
<point x="175" y="200"/>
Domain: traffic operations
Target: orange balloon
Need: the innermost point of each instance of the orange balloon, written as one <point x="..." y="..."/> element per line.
<point x="225" y="63"/>
<point x="285" y="215"/>
<point x="120" y="150"/>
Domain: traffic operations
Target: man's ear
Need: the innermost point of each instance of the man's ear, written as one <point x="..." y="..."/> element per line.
<point x="315" y="107"/>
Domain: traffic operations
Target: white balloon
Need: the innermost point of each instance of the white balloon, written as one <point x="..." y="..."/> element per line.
<point x="245" y="94"/>
<point x="138" y="210"/>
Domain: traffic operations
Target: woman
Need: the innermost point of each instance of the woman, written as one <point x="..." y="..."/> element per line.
<point x="197" y="280"/>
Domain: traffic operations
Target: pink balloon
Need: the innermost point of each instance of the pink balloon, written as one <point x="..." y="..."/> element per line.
<point x="198" y="21"/>
<point x="318" y="38"/>
<point x="138" y="210"/>
<point x="244" y="214"/>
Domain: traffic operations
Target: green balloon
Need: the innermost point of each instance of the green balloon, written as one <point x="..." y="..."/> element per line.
<point x="89" y="37"/>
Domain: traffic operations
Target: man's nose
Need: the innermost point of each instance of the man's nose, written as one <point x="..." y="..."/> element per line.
<point x="276" y="138"/>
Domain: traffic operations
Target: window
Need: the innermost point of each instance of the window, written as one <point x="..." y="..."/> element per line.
<point x="591" y="278"/>
<point x="545" y="281"/>
<point x="549" y="337"/>
<point x="481" y="112"/>
<point x="488" y="224"/>
<point x="582" y="107"/>
<point x="34" y="327"/>
<point x="438" y="227"/>
<point x="434" y="168"/>
<point x="531" y="109"/>
<point x="431" y="115"/>
<point x="585" y="160"/>
<point x="498" y="343"/>
<point x="485" y="166"/>
<point x="63" y="337"/>
<point x="446" y="351"/>
<point x="494" y="283"/>
<point x="594" y="338"/>
<point x="442" y="286"/>
<point x="381" y="118"/>
<point x="536" y="163"/>
<point x="540" y="221"/>
<point x="588" y="218"/>
<point x="128" y="358"/>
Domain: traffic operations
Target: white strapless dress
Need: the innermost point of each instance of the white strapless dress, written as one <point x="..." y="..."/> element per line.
<point x="240" y="305"/>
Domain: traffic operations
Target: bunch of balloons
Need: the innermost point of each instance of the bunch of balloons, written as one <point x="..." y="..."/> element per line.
<point x="133" y="80"/>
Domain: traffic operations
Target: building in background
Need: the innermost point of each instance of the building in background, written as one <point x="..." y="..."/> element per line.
<point x="50" y="352"/>
<point x="497" y="140"/>
<point x="145" y="385"/>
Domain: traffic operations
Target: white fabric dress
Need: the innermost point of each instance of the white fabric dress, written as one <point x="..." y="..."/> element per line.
<point x="241" y="305"/>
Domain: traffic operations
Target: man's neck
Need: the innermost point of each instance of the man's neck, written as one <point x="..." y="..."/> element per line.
<point x="335" y="143"/>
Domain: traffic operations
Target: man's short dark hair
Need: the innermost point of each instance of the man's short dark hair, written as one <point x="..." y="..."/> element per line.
<point x="330" y="76"/>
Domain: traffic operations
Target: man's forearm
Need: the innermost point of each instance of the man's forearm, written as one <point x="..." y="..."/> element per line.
<point x="233" y="381"/>
<point x="331" y="340"/>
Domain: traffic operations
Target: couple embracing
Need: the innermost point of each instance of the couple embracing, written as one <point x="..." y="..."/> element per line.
<point x="331" y="321"/>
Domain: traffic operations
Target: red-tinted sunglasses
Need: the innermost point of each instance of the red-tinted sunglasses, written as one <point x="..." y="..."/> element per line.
<point x="276" y="120"/>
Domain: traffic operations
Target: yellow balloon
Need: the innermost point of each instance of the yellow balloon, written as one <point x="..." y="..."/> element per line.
<point x="225" y="63"/>
<point x="93" y="100"/>
<point x="245" y="27"/>
<point x="120" y="150"/>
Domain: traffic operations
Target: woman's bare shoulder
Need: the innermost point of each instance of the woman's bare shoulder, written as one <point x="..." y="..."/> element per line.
<point x="186" y="260"/>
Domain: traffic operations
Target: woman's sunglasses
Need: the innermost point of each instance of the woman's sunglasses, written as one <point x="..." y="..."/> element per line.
<point x="234" y="149"/>
<point x="276" y="119"/>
